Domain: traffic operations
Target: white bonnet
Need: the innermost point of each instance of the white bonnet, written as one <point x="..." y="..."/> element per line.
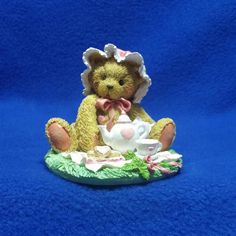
<point x="111" y="50"/>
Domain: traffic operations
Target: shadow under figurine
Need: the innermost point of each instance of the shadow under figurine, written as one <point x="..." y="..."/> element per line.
<point x="114" y="82"/>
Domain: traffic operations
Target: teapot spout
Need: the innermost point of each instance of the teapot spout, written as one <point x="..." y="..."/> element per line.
<point x="106" y="135"/>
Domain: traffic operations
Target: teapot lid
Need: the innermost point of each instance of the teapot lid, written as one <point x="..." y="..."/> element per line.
<point x="123" y="118"/>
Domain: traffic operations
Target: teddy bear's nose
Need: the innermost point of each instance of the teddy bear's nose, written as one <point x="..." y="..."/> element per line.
<point x="110" y="86"/>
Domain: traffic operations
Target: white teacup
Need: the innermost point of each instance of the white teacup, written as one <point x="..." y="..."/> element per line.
<point x="148" y="146"/>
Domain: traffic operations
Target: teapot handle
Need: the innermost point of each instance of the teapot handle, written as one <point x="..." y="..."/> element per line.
<point x="142" y="131"/>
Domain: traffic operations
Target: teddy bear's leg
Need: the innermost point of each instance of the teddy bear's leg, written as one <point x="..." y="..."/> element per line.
<point x="61" y="135"/>
<point x="164" y="130"/>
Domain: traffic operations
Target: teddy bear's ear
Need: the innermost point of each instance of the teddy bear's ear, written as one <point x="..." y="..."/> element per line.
<point x="139" y="81"/>
<point x="132" y="66"/>
<point x="96" y="59"/>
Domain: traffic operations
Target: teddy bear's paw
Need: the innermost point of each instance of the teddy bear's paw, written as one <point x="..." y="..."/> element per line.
<point x="58" y="137"/>
<point x="167" y="136"/>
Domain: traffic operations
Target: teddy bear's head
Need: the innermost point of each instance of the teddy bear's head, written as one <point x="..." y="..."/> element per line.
<point x="113" y="80"/>
<point x="115" y="74"/>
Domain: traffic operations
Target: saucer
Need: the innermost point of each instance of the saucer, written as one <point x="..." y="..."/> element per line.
<point x="154" y="157"/>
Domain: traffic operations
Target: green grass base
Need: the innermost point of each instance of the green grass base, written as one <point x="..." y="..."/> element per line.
<point x="69" y="170"/>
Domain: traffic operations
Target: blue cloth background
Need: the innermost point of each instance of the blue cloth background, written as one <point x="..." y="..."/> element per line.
<point x="189" y="50"/>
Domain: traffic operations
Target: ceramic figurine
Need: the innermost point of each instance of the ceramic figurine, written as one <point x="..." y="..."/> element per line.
<point x="113" y="140"/>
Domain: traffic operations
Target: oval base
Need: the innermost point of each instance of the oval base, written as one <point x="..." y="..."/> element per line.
<point x="69" y="170"/>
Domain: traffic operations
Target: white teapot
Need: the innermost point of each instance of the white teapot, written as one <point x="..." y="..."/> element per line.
<point x="123" y="135"/>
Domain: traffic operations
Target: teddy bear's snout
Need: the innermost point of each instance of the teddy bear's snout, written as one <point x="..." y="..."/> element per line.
<point x="109" y="86"/>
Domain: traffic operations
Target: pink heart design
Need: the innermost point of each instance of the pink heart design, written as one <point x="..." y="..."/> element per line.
<point x="127" y="133"/>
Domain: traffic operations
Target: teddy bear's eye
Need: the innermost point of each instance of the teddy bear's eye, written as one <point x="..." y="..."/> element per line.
<point x="121" y="82"/>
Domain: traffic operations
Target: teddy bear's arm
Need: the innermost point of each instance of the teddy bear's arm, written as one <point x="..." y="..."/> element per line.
<point x="137" y="111"/>
<point x="86" y="124"/>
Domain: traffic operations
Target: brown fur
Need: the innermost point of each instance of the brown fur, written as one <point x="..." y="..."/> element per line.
<point x="122" y="76"/>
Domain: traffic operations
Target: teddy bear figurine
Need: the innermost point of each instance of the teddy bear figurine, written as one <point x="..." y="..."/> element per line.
<point x="114" y="79"/>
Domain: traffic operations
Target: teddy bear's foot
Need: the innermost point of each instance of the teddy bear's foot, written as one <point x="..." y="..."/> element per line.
<point x="61" y="135"/>
<point x="164" y="130"/>
<point x="58" y="137"/>
<point x="167" y="136"/>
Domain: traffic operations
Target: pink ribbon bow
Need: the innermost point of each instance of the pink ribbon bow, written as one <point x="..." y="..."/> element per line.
<point x="110" y="106"/>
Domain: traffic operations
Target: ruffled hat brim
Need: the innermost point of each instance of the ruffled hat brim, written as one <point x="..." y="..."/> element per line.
<point x="110" y="50"/>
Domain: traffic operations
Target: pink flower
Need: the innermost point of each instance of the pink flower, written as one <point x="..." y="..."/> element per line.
<point x="122" y="53"/>
<point x="148" y="159"/>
